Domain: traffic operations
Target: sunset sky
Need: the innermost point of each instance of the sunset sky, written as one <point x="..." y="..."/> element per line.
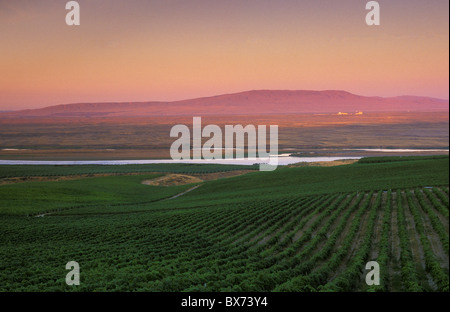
<point x="141" y="50"/>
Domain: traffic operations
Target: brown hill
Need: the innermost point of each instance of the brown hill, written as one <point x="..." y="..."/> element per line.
<point x="244" y="103"/>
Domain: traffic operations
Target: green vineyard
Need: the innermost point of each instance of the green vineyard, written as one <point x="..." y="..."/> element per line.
<point x="295" y="241"/>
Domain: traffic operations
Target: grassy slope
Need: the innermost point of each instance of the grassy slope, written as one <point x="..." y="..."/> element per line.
<point x="320" y="180"/>
<point x="34" y="197"/>
<point x="7" y="171"/>
<point x="384" y="159"/>
<point x="148" y="251"/>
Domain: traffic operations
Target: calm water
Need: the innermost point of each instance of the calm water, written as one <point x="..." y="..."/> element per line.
<point x="282" y="160"/>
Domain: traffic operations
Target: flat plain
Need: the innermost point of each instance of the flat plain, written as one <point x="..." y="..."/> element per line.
<point x="149" y="137"/>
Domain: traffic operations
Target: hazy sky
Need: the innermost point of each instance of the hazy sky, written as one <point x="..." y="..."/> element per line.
<point x="139" y="50"/>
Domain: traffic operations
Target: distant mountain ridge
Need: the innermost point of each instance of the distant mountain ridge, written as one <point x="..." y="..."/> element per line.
<point x="244" y="103"/>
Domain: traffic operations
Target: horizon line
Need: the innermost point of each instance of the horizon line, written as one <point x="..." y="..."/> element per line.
<point x="225" y="94"/>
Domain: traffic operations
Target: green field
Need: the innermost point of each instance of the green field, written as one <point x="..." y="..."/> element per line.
<point x="294" y="229"/>
<point x="9" y="171"/>
<point x="103" y="193"/>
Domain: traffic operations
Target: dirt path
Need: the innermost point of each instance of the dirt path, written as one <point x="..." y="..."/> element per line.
<point x="166" y="180"/>
<point x="173" y="197"/>
<point x="181" y="194"/>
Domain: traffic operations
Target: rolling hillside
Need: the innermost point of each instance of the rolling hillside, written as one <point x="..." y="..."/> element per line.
<point x="249" y="102"/>
<point x="286" y="231"/>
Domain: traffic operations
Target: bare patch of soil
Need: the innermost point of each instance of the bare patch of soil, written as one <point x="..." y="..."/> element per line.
<point x="182" y="179"/>
<point x="172" y="179"/>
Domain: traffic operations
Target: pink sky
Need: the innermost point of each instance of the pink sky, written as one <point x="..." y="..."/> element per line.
<point x="140" y="50"/>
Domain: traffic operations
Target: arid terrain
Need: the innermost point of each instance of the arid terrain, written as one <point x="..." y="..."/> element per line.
<point x="39" y="138"/>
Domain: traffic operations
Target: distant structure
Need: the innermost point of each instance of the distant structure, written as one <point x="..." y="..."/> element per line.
<point x="344" y="114"/>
